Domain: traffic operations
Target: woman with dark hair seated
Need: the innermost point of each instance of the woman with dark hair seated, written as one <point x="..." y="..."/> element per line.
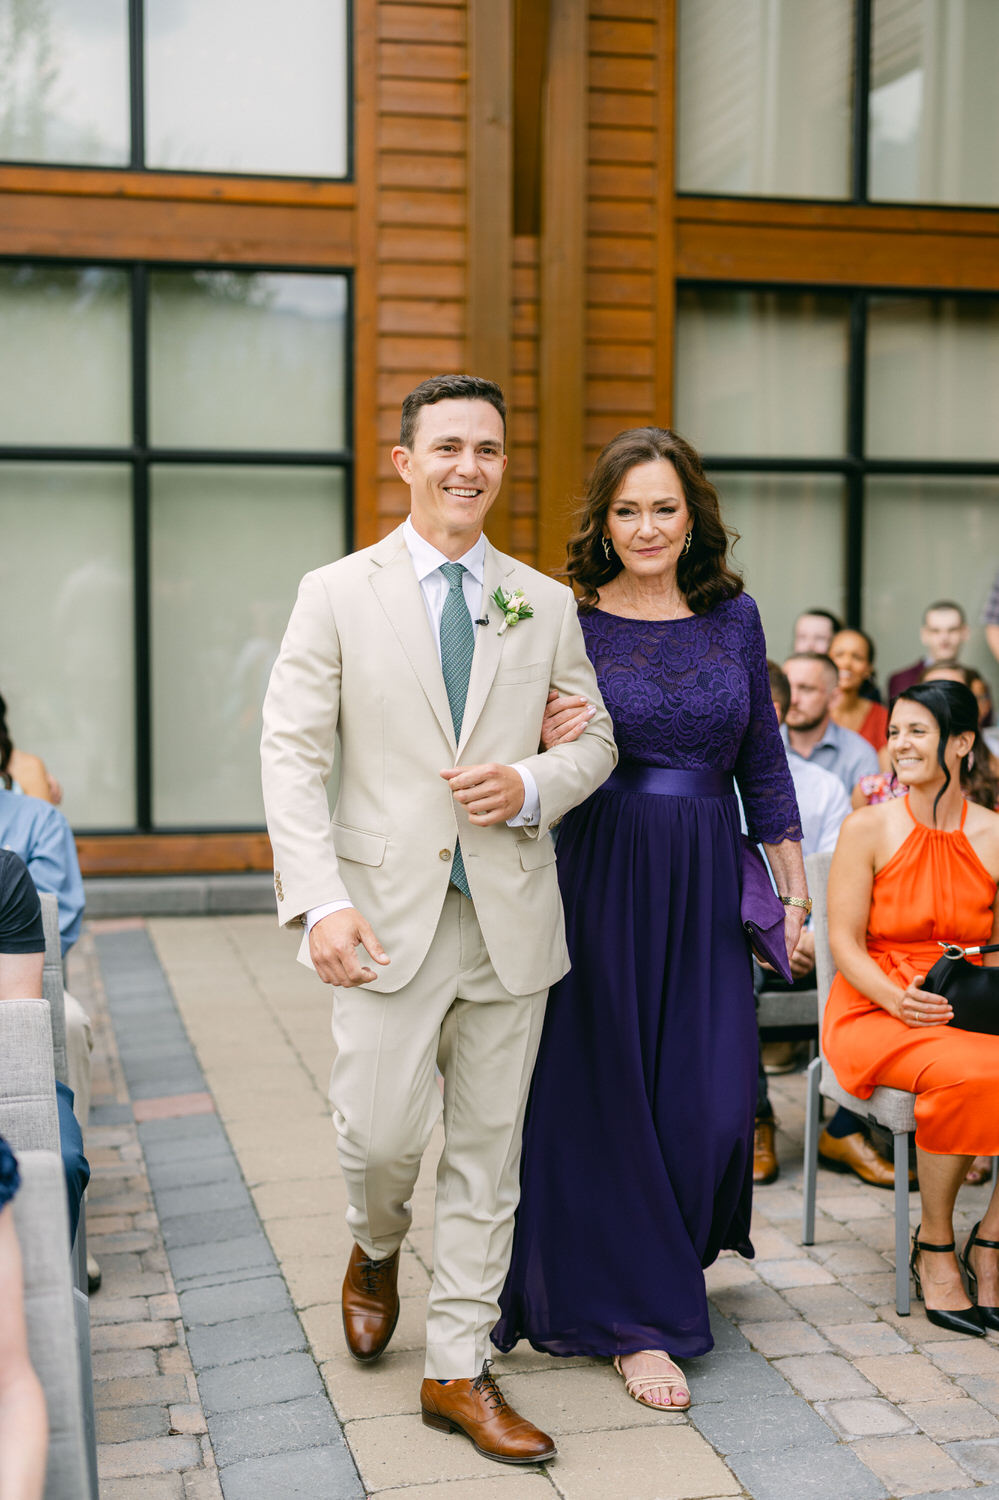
<point x="638" y="1146"/>
<point x="910" y="875"/>
<point x="852" y="653"/>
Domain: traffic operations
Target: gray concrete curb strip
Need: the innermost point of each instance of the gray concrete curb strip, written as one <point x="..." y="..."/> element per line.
<point x="273" y="1429"/>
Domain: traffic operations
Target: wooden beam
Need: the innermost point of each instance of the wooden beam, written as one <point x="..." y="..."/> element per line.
<point x="561" y="370"/>
<point x="173" y="853"/>
<point x="530" y="63"/>
<point x="836" y="244"/>
<point x="490" y="210"/>
<point x="176" y="186"/>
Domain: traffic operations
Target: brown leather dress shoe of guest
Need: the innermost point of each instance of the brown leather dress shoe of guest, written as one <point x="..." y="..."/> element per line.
<point x="765" y="1164"/>
<point x="477" y="1408"/>
<point x="854" y="1153"/>
<point x="370" y="1303"/>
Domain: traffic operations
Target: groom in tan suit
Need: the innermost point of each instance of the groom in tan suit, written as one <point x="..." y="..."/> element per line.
<point x="430" y="901"/>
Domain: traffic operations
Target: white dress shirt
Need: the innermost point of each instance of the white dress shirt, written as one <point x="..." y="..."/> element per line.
<point x="434" y="588"/>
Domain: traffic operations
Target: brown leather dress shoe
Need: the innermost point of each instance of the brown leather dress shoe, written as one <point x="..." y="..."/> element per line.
<point x="476" y="1408"/>
<point x="765" y="1164"/>
<point x="370" y="1303"/>
<point x="854" y="1153"/>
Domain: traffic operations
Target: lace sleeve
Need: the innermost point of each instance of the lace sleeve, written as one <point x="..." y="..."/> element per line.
<point x="761" y="767"/>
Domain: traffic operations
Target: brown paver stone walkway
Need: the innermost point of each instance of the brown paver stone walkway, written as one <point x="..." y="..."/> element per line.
<point x="816" y="1390"/>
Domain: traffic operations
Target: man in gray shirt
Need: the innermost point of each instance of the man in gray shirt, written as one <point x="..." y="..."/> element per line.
<point x="809" y="730"/>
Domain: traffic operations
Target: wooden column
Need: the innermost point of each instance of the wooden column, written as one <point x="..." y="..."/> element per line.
<point x="665" y="264"/>
<point x="490" y="211"/>
<point x="561" y="385"/>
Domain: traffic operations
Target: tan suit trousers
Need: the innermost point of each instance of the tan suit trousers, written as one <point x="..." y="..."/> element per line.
<point x="454" y="1014"/>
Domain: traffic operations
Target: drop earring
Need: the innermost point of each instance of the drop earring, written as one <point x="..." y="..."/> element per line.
<point x="605" y="543"/>
<point x="687" y="541"/>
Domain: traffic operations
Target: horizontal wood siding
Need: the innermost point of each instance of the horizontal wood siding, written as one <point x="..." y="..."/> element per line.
<point x="522" y="473"/>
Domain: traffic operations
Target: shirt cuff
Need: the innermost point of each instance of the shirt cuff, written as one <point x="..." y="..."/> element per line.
<point x="530" y="813"/>
<point x="316" y="913"/>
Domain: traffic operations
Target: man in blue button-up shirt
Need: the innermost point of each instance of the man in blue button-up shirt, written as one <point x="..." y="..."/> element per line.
<point x="809" y="730"/>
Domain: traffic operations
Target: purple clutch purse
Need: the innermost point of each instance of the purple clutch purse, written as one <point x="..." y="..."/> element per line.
<point x="762" y="910"/>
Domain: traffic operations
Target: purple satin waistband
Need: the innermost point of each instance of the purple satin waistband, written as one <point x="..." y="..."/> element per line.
<point x="629" y="776"/>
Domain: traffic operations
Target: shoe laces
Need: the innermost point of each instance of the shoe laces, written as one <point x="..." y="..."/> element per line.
<point x="372" y="1272"/>
<point x="487" y="1387"/>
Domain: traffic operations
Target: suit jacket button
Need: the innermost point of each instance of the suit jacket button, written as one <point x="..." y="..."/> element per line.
<point x="445" y="854"/>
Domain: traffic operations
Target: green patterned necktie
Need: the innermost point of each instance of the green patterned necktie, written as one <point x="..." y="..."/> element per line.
<point x="457" y="645"/>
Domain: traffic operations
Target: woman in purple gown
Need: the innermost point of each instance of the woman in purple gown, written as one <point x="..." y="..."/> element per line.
<point x="638" y="1144"/>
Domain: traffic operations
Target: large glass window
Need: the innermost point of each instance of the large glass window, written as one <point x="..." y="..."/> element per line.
<point x="934" y="108"/>
<point x="217" y="86"/>
<point x="219" y="98"/>
<point x="763" y="372"/>
<point x="64" y="90"/>
<point x="853" y="442"/>
<point x="764" y="97"/>
<point x="147" y="587"/>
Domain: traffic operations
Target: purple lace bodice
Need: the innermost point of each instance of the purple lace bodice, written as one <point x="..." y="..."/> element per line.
<point x="694" y="695"/>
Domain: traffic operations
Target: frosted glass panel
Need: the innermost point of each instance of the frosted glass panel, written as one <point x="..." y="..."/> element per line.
<point x="764" y="102"/>
<point x="933" y="378"/>
<point x="791" y="545"/>
<point x="245" y="86"/>
<point x="228" y="549"/>
<point x="761" y="373"/>
<point x="247" y="359"/>
<point x="68" y="666"/>
<point x="934" y="109"/>
<point x="64" y="355"/>
<point x="927" y="539"/>
<point x="64" y="81"/>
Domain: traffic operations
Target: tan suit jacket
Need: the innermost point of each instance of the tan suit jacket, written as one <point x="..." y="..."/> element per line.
<point x="359" y="666"/>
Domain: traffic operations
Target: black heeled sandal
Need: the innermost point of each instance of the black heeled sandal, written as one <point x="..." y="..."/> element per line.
<point x="962" y="1320"/>
<point x="989" y="1315"/>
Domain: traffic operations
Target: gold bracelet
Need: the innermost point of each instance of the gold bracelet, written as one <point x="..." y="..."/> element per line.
<point x="805" y="902"/>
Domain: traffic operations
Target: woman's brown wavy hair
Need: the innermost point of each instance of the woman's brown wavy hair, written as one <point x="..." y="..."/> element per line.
<point x="703" y="573"/>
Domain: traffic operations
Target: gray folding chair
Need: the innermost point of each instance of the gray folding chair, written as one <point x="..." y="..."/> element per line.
<point x="41" y="1220"/>
<point x="29" y="1120"/>
<point x="53" y="983"/>
<point x="892" y="1109"/>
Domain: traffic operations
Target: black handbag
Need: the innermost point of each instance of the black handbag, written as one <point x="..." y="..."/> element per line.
<point x="973" y="992"/>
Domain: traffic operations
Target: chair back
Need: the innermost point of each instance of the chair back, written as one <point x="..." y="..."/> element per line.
<point x="29" y="1118"/>
<point x="53" y="982"/>
<point x="42" y="1224"/>
<point x="817" y="872"/>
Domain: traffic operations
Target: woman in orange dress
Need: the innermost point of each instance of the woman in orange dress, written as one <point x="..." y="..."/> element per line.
<point x="909" y="875"/>
<point x="852" y="652"/>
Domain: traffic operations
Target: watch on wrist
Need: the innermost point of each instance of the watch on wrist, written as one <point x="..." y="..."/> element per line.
<point x="805" y="902"/>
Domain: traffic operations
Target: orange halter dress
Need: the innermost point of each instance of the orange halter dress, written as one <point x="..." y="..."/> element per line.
<point x="933" y="889"/>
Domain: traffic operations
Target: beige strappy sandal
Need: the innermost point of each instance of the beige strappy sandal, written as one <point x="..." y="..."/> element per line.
<point x="672" y="1379"/>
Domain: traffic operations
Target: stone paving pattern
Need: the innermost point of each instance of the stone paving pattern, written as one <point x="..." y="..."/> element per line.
<point x="216" y="1210"/>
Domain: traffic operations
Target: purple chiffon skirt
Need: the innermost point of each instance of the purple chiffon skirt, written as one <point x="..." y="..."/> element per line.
<point x="638" y="1143"/>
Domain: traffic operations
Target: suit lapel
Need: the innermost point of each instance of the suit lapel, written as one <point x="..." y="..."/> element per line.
<point x="398" y="593"/>
<point x="488" y="644"/>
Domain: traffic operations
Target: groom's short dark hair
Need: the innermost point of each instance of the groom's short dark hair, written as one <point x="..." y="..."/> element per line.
<point x="447" y="388"/>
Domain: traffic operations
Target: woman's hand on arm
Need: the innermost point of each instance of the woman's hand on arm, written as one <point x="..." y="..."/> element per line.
<point x="851" y="883"/>
<point x="564" y="720"/>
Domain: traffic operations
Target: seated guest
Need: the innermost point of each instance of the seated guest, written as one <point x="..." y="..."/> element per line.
<point x="822" y="804"/>
<point x="809" y="729"/>
<point x="24" y="1425"/>
<point x="990" y="618"/>
<point x="908" y="875"/>
<point x="814" y="631"/>
<point x="22" y="957"/>
<point x="943" y="632"/>
<point x="20" y="772"/>
<point x="852" y="652"/>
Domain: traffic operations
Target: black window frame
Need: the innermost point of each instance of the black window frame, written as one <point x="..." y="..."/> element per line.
<point x="136" y="83"/>
<point x="853" y="464"/>
<point x="140" y="455"/>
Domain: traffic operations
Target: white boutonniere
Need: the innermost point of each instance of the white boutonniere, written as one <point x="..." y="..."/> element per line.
<point x="514" y="606"/>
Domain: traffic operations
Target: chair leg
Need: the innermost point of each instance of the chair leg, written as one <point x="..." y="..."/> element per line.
<point x="81" y="1308"/>
<point x="902" y="1224"/>
<point x="811" y="1161"/>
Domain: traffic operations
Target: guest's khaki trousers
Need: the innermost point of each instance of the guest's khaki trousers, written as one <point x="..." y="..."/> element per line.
<point x="454" y="1014"/>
